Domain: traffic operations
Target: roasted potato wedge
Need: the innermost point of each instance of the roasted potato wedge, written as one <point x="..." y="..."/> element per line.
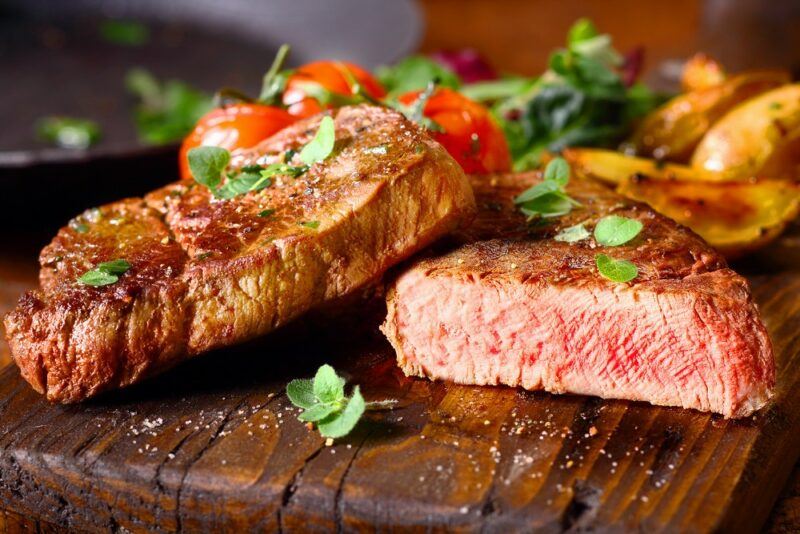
<point x="734" y="217"/>
<point x="700" y="72"/>
<point x="759" y="137"/>
<point x="614" y="167"/>
<point x="673" y="131"/>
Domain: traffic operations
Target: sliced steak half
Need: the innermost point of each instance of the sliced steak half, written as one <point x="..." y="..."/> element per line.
<point x="511" y="305"/>
<point x="208" y="273"/>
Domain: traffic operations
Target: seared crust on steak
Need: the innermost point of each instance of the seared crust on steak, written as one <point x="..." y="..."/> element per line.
<point x="208" y="274"/>
<point x="511" y="305"/>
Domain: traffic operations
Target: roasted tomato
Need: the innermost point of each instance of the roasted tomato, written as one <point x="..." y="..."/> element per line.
<point x="468" y="131"/>
<point x="335" y="76"/>
<point x="234" y="126"/>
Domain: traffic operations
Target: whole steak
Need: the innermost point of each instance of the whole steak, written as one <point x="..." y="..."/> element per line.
<point x="208" y="273"/>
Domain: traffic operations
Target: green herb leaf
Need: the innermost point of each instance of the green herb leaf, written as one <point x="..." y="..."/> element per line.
<point x="97" y="278"/>
<point x="573" y="234"/>
<point x="166" y="111"/>
<point x="321" y="146"/>
<point x="325" y="96"/>
<point x="325" y="403"/>
<point x="497" y="89"/>
<point x="547" y="198"/>
<point x="338" y="425"/>
<point x="416" y="111"/>
<point x="68" y="132"/>
<point x="616" y="270"/>
<point x="105" y="273"/>
<point x="613" y="230"/>
<point x="244" y="182"/>
<point x="310" y="224"/>
<point x="540" y="189"/>
<point x="557" y="171"/>
<point x="328" y="386"/>
<point x="274" y="81"/>
<point x="277" y="169"/>
<point x="266" y="213"/>
<point x="582" y="30"/>
<point x="255" y="178"/>
<point x="301" y="392"/>
<point x="580" y="101"/>
<point x="547" y="206"/>
<point x="415" y="73"/>
<point x="318" y="412"/>
<point x="114" y="267"/>
<point x="124" y="32"/>
<point x="207" y="164"/>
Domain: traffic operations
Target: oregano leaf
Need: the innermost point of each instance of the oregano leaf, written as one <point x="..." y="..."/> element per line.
<point x="207" y="163"/>
<point x="616" y="270"/>
<point x="340" y="424"/>
<point x="328" y="386"/>
<point x="321" y="146"/>
<point x="614" y="230"/>
<point x="318" y="412"/>
<point x="301" y="392"/>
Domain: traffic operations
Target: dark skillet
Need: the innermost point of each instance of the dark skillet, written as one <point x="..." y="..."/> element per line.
<point x="54" y="61"/>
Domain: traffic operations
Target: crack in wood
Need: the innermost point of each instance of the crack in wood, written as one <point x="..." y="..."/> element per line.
<point x="291" y="487"/>
<point x="338" y="505"/>
<point x="582" y="507"/>
<point x="179" y="493"/>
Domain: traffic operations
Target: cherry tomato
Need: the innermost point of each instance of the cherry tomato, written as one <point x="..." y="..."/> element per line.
<point x="234" y="126"/>
<point x="469" y="133"/>
<point x="335" y="76"/>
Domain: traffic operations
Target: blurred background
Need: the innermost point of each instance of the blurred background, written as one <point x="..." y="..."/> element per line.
<point x="102" y="60"/>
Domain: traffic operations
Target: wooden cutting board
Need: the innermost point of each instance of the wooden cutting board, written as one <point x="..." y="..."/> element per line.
<point x="215" y="445"/>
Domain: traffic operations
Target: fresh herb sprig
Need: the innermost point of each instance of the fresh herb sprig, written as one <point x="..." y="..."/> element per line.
<point x="208" y="163"/>
<point x="105" y="274"/>
<point x="580" y="100"/>
<point x="415" y="112"/>
<point x="416" y="73"/>
<point x="548" y="198"/>
<point x="325" y="404"/>
<point x="166" y="111"/>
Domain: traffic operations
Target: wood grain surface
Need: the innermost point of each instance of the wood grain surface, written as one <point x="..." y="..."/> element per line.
<point x="215" y="445"/>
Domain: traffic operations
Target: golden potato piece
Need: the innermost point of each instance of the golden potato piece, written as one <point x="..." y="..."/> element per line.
<point x="700" y="72"/>
<point x="673" y="130"/>
<point x="614" y="167"/>
<point x="759" y="137"/>
<point x="734" y="217"/>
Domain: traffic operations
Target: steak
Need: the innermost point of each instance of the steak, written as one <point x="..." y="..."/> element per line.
<point x="209" y="273"/>
<point x="511" y="305"/>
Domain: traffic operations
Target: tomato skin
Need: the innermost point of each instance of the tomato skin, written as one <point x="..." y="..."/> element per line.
<point x="332" y="75"/>
<point x="470" y="134"/>
<point x="234" y="126"/>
